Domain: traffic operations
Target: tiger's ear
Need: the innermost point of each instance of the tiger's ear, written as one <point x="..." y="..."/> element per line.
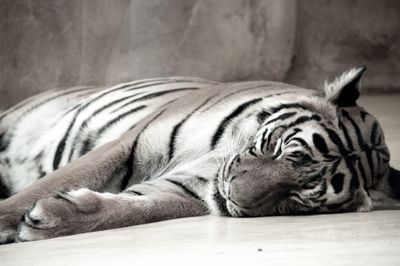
<point x="345" y="89"/>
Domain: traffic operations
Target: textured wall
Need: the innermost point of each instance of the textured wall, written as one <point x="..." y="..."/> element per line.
<point x="39" y="46"/>
<point x="333" y="35"/>
<point x="47" y="44"/>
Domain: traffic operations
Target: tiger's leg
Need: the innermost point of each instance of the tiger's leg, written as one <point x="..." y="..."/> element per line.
<point x="84" y="210"/>
<point x="105" y="168"/>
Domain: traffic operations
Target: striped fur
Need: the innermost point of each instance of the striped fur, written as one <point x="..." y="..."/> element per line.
<point x="239" y="149"/>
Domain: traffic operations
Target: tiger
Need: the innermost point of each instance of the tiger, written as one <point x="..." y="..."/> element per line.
<point x="88" y="158"/>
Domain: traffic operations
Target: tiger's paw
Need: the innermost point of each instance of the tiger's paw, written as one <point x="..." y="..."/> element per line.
<point x="65" y="213"/>
<point x="8" y="229"/>
<point x="9" y="220"/>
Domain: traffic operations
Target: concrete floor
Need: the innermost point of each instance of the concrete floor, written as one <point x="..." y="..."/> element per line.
<point x="340" y="239"/>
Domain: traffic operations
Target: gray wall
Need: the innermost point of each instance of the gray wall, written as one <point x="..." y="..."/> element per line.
<point x="333" y="35"/>
<point x="47" y="44"/>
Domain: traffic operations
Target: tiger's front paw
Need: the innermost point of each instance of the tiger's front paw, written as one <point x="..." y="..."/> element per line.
<point x="9" y="220"/>
<point x="65" y="213"/>
<point x="8" y="228"/>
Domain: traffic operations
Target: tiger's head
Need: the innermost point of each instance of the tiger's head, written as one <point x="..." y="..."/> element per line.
<point x="326" y="154"/>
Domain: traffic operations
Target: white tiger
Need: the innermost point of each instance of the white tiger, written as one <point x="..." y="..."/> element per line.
<point x="175" y="147"/>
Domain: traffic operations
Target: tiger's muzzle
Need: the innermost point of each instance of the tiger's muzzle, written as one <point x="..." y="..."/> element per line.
<point x="254" y="186"/>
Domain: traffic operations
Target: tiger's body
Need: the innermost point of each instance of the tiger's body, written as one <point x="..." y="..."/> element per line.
<point x="175" y="147"/>
<point x="77" y="121"/>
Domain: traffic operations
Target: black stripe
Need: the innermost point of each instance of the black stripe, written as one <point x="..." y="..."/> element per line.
<point x="356" y="129"/>
<point x="67" y="112"/>
<point x="362" y="172"/>
<point x="62" y="195"/>
<point x="337" y="182"/>
<point x="374" y="133"/>
<point x="304" y="144"/>
<point x="177" y="127"/>
<point x="335" y="165"/>
<point x="136" y="193"/>
<point x="152" y="95"/>
<point x="394" y="182"/>
<point x="363" y="115"/>
<point x="227" y="120"/>
<point x="280" y="117"/>
<point x="246" y="89"/>
<point x="4" y="191"/>
<point x="379" y="162"/>
<point x="337" y="141"/>
<point x="88" y="144"/>
<point x="303" y="119"/>
<point x="251" y="152"/>
<point x="303" y="158"/>
<point x="202" y="179"/>
<point x="61" y="145"/>
<point x="346" y="135"/>
<point x="173" y="81"/>
<point x="263" y="140"/>
<point x="294" y="161"/>
<point x="185" y="189"/>
<point x="322" y="192"/>
<point x="361" y="141"/>
<point x="131" y="159"/>
<point x="354" y="182"/>
<point x="4" y="143"/>
<point x="295" y="131"/>
<point x="131" y="127"/>
<point x="288" y="106"/>
<point x="219" y="200"/>
<point x="231" y="94"/>
<point x="262" y="115"/>
<point x="320" y="143"/>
